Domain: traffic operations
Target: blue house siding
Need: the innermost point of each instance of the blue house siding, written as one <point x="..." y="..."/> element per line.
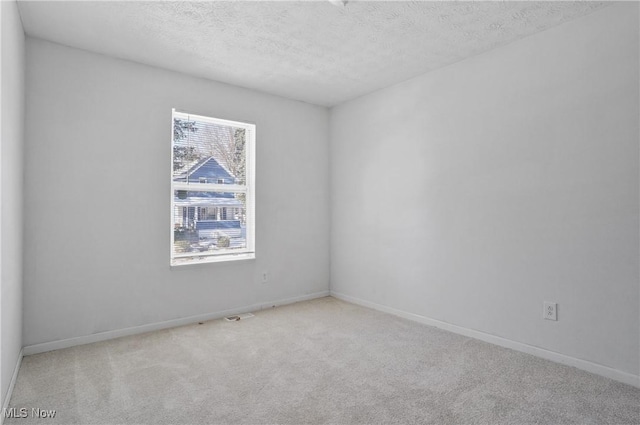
<point x="217" y="225"/>
<point x="211" y="228"/>
<point x="208" y="169"/>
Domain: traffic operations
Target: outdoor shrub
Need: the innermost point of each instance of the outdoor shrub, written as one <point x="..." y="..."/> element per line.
<point x="182" y="246"/>
<point x="223" y="241"/>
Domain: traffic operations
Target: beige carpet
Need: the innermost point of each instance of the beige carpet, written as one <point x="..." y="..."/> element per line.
<point x="321" y="361"/>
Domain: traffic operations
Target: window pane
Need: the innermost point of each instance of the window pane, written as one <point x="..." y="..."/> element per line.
<point x="209" y="222"/>
<point x="205" y="152"/>
<point x="213" y="173"/>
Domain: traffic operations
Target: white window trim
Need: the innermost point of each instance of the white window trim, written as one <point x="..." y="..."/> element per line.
<point x="247" y="253"/>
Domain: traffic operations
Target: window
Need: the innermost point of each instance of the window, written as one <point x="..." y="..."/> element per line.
<point x="211" y="221"/>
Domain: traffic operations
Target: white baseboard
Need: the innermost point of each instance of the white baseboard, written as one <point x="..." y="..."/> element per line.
<point x="12" y="384"/>
<point x="588" y="366"/>
<point x="103" y="336"/>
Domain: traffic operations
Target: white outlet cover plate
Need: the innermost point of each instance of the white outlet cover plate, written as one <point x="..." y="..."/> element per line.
<point x="550" y="311"/>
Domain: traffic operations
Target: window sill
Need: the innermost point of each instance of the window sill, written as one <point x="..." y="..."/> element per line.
<point x="213" y="259"/>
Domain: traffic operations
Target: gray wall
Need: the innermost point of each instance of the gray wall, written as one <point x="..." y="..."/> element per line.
<point x="11" y="152"/>
<point x="97" y="196"/>
<point x="474" y="193"/>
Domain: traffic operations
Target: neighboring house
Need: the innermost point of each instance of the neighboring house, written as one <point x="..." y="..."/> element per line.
<point x="209" y="213"/>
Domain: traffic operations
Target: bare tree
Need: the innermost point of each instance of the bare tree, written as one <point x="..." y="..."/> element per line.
<point x="226" y="145"/>
<point x="182" y="155"/>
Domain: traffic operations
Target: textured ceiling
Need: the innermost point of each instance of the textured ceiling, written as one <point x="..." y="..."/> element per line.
<point x="306" y="50"/>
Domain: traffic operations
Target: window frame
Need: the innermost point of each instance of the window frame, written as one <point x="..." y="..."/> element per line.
<point x="247" y="253"/>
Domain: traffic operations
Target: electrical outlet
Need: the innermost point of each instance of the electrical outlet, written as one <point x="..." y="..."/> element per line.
<point x="265" y="277"/>
<point x="550" y="311"/>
